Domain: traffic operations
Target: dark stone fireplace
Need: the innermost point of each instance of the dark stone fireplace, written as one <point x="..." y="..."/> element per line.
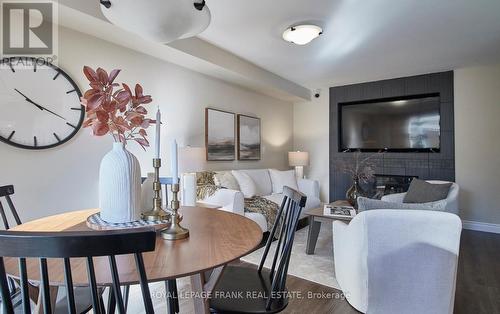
<point x="425" y="165"/>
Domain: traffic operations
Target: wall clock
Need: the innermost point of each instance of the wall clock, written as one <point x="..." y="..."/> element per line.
<point x="39" y="104"/>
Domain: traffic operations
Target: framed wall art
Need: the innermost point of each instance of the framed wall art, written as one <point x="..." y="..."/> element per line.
<point x="219" y="135"/>
<point x="249" y="143"/>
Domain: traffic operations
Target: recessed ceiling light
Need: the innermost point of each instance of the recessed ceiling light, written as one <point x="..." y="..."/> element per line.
<point x="302" y="34"/>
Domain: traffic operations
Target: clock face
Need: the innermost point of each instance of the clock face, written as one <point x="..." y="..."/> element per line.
<point x="39" y="104"/>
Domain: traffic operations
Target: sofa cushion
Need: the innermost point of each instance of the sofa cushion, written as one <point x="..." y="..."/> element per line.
<point x="225" y="179"/>
<point x="262" y="180"/>
<point x="424" y="192"/>
<point x="246" y="183"/>
<point x="365" y="203"/>
<point x="283" y="178"/>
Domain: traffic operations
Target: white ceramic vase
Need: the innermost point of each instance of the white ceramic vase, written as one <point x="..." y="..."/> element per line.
<point x="120" y="186"/>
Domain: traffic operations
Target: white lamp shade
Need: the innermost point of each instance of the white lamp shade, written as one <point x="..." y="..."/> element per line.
<point x="160" y="20"/>
<point x="302" y="34"/>
<point x="298" y="159"/>
<point x="192" y="159"/>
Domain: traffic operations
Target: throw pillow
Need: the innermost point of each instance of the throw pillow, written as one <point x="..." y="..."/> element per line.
<point x="247" y="186"/>
<point x="226" y="180"/>
<point x="205" y="177"/>
<point x="365" y="203"/>
<point x="424" y="192"/>
<point x="282" y="178"/>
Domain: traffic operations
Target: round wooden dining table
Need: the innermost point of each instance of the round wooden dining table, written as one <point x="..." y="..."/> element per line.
<point x="216" y="238"/>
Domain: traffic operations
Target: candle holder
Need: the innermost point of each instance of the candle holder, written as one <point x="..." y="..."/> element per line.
<point x="174" y="231"/>
<point x="157" y="213"/>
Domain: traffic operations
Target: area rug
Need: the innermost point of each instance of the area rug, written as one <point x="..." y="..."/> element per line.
<point x="318" y="267"/>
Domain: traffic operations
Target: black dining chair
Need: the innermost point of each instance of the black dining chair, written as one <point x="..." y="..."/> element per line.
<point x="5" y="193"/>
<point x="83" y="299"/>
<point x="266" y="287"/>
<point x="171" y="284"/>
<point x="68" y="245"/>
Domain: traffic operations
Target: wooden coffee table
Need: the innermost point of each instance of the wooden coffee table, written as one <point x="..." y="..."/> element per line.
<point x="315" y="216"/>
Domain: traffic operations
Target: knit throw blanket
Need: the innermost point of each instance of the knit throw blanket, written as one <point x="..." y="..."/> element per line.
<point x="258" y="204"/>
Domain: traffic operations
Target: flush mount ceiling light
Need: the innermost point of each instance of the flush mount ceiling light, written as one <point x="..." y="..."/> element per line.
<point x="160" y="20"/>
<point x="302" y="34"/>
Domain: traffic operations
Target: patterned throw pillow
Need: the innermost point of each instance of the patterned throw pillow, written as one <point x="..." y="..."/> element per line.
<point x="365" y="203"/>
<point x="205" y="177"/>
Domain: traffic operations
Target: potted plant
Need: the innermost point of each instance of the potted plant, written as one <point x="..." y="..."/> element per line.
<point x="113" y="109"/>
<point x="361" y="170"/>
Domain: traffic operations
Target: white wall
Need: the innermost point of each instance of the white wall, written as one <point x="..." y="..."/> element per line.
<point x="311" y="134"/>
<point x="66" y="178"/>
<point x="477" y="142"/>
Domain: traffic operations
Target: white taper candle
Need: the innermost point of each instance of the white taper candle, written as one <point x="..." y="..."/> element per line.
<point x="174" y="163"/>
<point x="157" y="137"/>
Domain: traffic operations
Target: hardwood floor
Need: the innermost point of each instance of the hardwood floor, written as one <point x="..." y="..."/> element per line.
<point x="478" y="281"/>
<point x="316" y="298"/>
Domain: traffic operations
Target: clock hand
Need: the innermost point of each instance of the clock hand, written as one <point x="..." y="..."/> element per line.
<point x="43" y="108"/>
<point x="38" y="106"/>
<point x="28" y="100"/>
<point x="55" y="114"/>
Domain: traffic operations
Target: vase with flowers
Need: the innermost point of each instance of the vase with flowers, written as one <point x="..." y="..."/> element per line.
<point x="113" y="109"/>
<point x="361" y="170"/>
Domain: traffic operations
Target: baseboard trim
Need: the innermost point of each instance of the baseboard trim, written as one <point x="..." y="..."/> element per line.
<point x="481" y="226"/>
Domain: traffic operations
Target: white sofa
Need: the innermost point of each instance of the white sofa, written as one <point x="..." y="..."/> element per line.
<point x="451" y="199"/>
<point x="398" y="261"/>
<point x="233" y="200"/>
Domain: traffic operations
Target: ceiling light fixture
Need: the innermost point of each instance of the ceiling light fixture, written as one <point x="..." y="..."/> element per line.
<point x="302" y="34"/>
<point x="160" y="20"/>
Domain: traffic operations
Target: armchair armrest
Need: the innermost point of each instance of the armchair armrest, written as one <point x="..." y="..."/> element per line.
<point x="394" y="198"/>
<point x="309" y="187"/>
<point x="350" y="255"/>
<point x="229" y="200"/>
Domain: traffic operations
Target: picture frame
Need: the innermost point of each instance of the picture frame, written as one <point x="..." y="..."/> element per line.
<point x="220" y="132"/>
<point x="248" y="137"/>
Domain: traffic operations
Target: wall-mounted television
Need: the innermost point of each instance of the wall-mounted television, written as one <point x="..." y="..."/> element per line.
<point x="401" y="124"/>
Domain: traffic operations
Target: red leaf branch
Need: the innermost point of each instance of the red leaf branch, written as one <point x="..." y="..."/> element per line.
<point x="114" y="109"/>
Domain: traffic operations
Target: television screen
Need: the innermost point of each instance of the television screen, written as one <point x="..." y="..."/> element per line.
<point x="397" y="124"/>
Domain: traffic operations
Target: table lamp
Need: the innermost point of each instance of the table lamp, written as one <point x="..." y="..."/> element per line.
<point x="298" y="160"/>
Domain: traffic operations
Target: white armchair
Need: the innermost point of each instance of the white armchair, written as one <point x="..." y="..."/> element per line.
<point x="398" y="261"/>
<point x="451" y="199"/>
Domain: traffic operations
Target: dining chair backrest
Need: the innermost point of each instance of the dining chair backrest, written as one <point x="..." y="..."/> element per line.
<point x="286" y="223"/>
<point x="165" y="182"/>
<point x="5" y="194"/>
<point x="67" y="245"/>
